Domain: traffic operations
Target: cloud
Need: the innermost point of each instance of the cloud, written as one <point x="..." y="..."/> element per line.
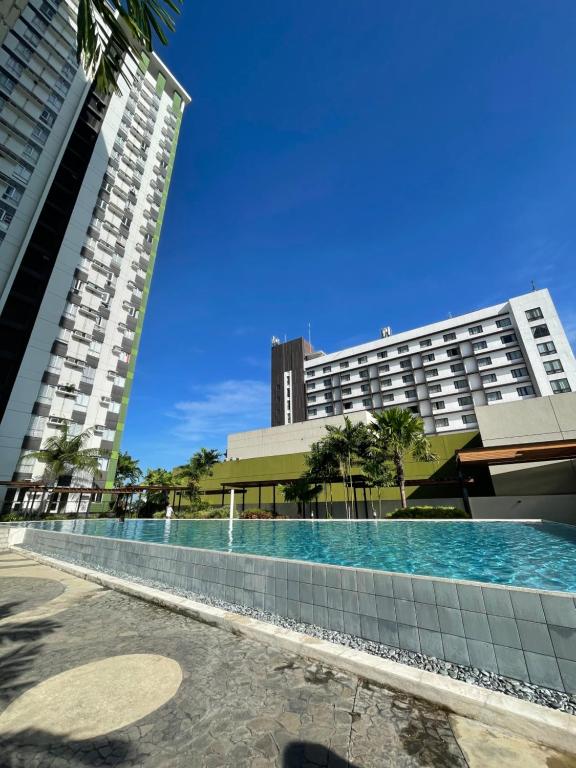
<point x="228" y="406"/>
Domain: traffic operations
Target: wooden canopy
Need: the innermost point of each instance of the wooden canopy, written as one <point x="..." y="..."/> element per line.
<point x="555" y="450"/>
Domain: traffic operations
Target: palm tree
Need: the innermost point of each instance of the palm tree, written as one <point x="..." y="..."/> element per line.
<point x="322" y="467"/>
<point x="132" y="25"/>
<point x="396" y="435"/>
<point x="300" y="491"/>
<point x="197" y="468"/>
<point x="377" y="475"/>
<point x="347" y="445"/>
<point x="127" y="470"/>
<point x="158" y="498"/>
<point x="64" y="454"/>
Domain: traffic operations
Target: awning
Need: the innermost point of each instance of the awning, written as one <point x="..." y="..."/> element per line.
<point x="555" y="450"/>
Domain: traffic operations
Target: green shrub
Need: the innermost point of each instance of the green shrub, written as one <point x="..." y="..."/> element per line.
<point x="430" y="513"/>
<point x="255" y="514"/>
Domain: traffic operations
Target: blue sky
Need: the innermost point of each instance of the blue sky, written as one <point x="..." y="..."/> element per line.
<point x="351" y="165"/>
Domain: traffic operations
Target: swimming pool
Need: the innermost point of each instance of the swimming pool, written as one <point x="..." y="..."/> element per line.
<point x="535" y="555"/>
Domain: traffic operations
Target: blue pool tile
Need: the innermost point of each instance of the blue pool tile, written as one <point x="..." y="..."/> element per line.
<point x="293" y="610"/>
<point x="511" y="663"/>
<point x="408" y="638"/>
<point x="281" y="569"/>
<point x="423" y="591"/>
<point x="405" y="612"/>
<point x="543" y="670"/>
<point x="535" y="637"/>
<point x="527" y="605"/>
<point x="293" y="571"/>
<point x="366" y="604"/>
<point x="568" y="672"/>
<point x="319" y="595"/>
<point x="281" y="588"/>
<point x="431" y="643"/>
<point x="446" y="594"/>
<point x="455" y="649"/>
<point x="365" y="581"/>
<point x="559" y="610"/>
<point x="306" y="593"/>
<point x="388" y="632"/>
<point x="427" y="616"/>
<point x="402" y="586"/>
<point x="335" y="620"/>
<point x="307" y="613"/>
<point x="333" y="578"/>
<point x="369" y="628"/>
<point x="383" y="584"/>
<point x="385" y="608"/>
<point x="564" y="642"/>
<point x="450" y="621"/>
<point x="348" y="576"/>
<point x="476" y="626"/>
<point x="293" y="590"/>
<point x="350" y="601"/>
<point x="320" y="613"/>
<point x="470" y="598"/>
<point x="318" y="575"/>
<point x="305" y="573"/>
<point x="482" y="655"/>
<point x="504" y="631"/>
<point x="334" y="598"/>
<point x="352" y="624"/>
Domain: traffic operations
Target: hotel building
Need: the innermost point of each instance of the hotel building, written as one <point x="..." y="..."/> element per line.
<point x="83" y="185"/>
<point x="508" y="352"/>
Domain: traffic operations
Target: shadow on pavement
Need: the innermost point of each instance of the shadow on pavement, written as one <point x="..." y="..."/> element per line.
<point x="299" y="753"/>
<point x="21" y="750"/>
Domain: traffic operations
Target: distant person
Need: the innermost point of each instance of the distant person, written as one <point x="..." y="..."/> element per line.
<point x="169" y="512"/>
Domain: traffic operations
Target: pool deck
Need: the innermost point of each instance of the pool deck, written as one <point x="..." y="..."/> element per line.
<point x="200" y="696"/>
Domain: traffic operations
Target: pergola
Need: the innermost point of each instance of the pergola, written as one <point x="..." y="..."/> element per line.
<point x="519" y="453"/>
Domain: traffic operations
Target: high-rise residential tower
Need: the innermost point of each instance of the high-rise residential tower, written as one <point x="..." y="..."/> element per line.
<point x="83" y="186"/>
<point x="511" y="351"/>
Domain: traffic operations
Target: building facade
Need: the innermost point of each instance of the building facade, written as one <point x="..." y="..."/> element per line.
<point x="508" y="352"/>
<point x="83" y="186"/>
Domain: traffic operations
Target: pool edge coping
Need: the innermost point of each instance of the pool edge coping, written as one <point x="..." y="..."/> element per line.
<point x="404" y="574"/>
<point x="546" y="726"/>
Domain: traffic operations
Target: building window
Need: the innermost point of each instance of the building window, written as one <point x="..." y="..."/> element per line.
<point x="367" y="403"/>
<point x="534" y="314"/>
<point x="31" y="152"/>
<point x="385" y="382"/>
<point x="475" y="330"/>
<point x="492" y="396"/>
<point x="328" y="396"/>
<point x="405" y="364"/>
<point x="345" y="377"/>
<point x="327" y="382"/>
<point x="362" y="360"/>
<point x="413" y="409"/>
<point x="429" y="358"/>
<point x="458" y="367"/>
<point x="6" y="214"/>
<point x="439" y="405"/>
<point x="510" y="338"/>
<point x="441" y="422"/>
<point x="425" y="343"/>
<point x="519" y="373"/>
<point x="504" y="322"/>
<point x="461" y="384"/>
<point x="434" y="388"/>
<point x="553" y="366"/>
<point x="312" y="411"/>
<point x="327" y="369"/>
<point x="346" y="391"/>
<point x="489" y="378"/>
<point x="478" y="345"/>
<point x="539" y="331"/>
<point x="345" y="364"/>
<point x="382" y="354"/>
<point x="560" y="385"/>
<point x="484" y="361"/>
<point x="329" y="409"/>
<point x="387" y="398"/>
<point x="348" y="406"/>
<point x="524" y="391"/>
<point x="547" y="348"/>
<point x="365" y="388"/>
<point x="469" y="419"/>
<point x="309" y="374"/>
<point x="402" y="349"/>
<point x="465" y="400"/>
<point x="408" y="378"/>
<point x="12" y="194"/>
<point x="514" y="355"/>
<point x="454" y="352"/>
<point x="409" y="393"/>
<point x="431" y="372"/>
<point x="363" y="374"/>
<point x="312" y="385"/>
<point x="449" y="336"/>
<point x="384" y="368"/>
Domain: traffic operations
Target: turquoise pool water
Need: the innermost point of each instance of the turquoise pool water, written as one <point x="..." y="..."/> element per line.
<point x="538" y="555"/>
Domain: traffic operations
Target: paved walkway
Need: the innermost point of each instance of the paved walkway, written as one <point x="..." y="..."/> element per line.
<point x="90" y="677"/>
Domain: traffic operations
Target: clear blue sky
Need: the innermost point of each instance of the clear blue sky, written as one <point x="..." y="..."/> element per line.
<point x="352" y="164"/>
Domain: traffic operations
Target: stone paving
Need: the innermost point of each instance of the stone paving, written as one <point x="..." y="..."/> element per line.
<point x="239" y="704"/>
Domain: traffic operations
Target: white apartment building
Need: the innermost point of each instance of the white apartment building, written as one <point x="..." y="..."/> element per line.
<point x="83" y="186"/>
<point x="504" y="353"/>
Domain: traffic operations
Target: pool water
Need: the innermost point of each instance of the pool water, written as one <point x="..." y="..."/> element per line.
<point x="537" y="555"/>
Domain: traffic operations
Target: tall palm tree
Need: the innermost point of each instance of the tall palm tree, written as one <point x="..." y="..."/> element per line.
<point x="300" y="491"/>
<point x="396" y="435"/>
<point x="322" y="467"/>
<point x="132" y="26"/>
<point x="347" y="444"/>
<point x="127" y="470"/>
<point x="377" y="474"/>
<point x="197" y="468"/>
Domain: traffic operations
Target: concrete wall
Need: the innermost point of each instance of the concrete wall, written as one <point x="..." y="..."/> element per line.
<point x="558" y="509"/>
<point x="524" y="634"/>
<point x="538" y="420"/>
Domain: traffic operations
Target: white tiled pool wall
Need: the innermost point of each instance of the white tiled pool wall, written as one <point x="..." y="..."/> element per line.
<point x="527" y="635"/>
